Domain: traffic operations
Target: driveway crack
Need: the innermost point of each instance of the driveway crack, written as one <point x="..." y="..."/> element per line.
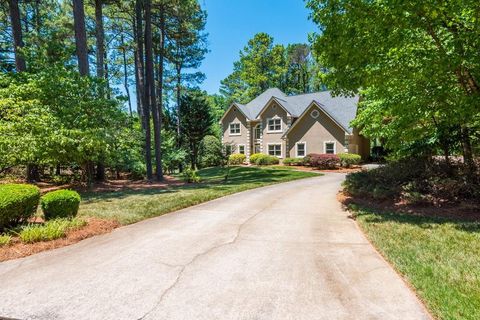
<point x="204" y="253"/>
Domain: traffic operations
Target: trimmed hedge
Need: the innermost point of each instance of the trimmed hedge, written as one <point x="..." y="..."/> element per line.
<point x="60" y="204"/>
<point x="322" y="161"/>
<point x="236" y="158"/>
<point x="349" y="159"/>
<point x="293" y="161"/>
<point x="18" y="203"/>
<point x="261" y="159"/>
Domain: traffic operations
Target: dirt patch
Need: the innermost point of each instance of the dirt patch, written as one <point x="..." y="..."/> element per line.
<point x="94" y="227"/>
<point x="460" y="211"/>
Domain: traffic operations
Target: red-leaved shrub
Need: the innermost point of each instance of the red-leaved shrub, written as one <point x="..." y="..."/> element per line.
<point x="322" y="161"/>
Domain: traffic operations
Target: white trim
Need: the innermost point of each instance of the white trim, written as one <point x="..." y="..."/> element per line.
<point x="275" y="144"/>
<point x="275" y="131"/>
<point x="334" y="146"/>
<point x="244" y="148"/>
<point x="239" y="129"/>
<point x="296" y="149"/>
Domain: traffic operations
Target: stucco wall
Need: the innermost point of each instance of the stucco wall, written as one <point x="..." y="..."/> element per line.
<point x="272" y="111"/>
<point x="359" y="145"/>
<point x="315" y="132"/>
<point x="234" y="115"/>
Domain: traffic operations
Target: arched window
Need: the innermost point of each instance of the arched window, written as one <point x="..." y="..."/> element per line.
<point x="258" y="131"/>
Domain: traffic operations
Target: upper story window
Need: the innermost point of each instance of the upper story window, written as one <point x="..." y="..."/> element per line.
<point x="330" y="147"/>
<point x="274" y="125"/>
<point x="235" y="129"/>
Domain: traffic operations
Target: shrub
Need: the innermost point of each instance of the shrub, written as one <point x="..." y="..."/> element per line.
<point x="293" y="161"/>
<point x="266" y="160"/>
<point x="50" y="230"/>
<point x="5" y="240"/>
<point x="190" y="176"/>
<point x="60" y="204"/>
<point x="349" y="159"/>
<point x="322" y="161"/>
<point x="254" y="157"/>
<point x="18" y="203"/>
<point x="210" y="152"/>
<point x="236" y="158"/>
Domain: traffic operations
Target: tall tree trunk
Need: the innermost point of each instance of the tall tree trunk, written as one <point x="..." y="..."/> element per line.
<point x="80" y="36"/>
<point x="467" y="152"/>
<point x="100" y="35"/>
<point x="141" y="88"/>
<point x="160" y="63"/>
<point x="179" y="95"/>
<point x="150" y="89"/>
<point x="17" y="34"/>
<point x="125" y="73"/>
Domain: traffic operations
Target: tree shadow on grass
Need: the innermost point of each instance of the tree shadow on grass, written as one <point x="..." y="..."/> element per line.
<point x="424" y="222"/>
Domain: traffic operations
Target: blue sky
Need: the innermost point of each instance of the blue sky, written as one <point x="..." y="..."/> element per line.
<point x="231" y="23"/>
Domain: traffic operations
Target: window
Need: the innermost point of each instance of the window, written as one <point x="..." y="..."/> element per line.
<point x="241" y="148"/>
<point x="330" y="147"/>
<point x="301" y="149"/>
<point x="275" y="125"/>
<point x="234" y="129"/>
<point x="258" y="131"/>
<point x="314" y="114"/>
<point x="275" y="150"/>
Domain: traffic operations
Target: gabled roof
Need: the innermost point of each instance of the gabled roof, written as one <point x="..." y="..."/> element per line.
<point x="341" y="109"/>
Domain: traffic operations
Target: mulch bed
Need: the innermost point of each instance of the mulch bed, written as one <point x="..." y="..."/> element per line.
<point x="113" y="185"/>
<point x="460" y="211"/>
<point x="94" y="227"/>
<point x="338" y="170"/>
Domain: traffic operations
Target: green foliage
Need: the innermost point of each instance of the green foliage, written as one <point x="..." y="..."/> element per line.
<point x="190" y="176"/>
<point x="293" y="161"/>
<point x="263" y="65"/>
<point x="18" y="203"/>
<point x="414" y="181"/>
<point x="5" y="239"/>
<point x="261" y="159"/>
<point x="60" y="204"/>
<point x="210" y="153"/>
<point x="195" y="121"/>
<point x="417" y="63"/>
<point x="50" y="230"/>
<point x="349" y="159"/>
<point x="236" y="159"/>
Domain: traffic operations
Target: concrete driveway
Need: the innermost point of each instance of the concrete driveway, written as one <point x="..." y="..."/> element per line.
<point x="286" y="251"/>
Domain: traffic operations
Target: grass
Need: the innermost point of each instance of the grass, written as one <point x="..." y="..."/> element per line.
<point x="49" y="230"/>
<point x="440" y="258"/>
<point x="133" y="206"/>
<point x="5" y="239"/>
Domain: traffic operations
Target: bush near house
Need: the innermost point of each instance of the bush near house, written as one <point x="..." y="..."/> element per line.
<point x="261" y="159"/>
<point x="236" y="158"/>
<point x="349" y="159"/>
<point x="18" y="203"/>
<point x="322" y="161"/>
<point x="60" y="204"/>
<point x="293" y="162"/>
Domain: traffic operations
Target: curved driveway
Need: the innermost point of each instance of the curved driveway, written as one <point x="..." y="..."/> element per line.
<point x="286" y="251"/>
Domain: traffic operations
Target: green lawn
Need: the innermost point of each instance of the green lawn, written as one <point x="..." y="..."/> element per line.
<point x="439" y="257"/>
<point x="132" y="206"/>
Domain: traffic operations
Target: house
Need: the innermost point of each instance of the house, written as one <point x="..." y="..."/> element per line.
<point x="293" y="126"/>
